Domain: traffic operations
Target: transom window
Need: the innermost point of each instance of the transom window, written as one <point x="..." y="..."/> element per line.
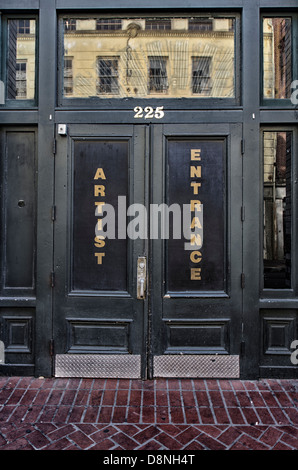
<point x="176" y="57"/>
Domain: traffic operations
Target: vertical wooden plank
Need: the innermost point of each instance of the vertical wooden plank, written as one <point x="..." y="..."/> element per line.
<point x="47" y="90"/>
<point x="251" y="177"/>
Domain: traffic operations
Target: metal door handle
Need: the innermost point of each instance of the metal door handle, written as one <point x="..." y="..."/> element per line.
<point x="141" y="277"/>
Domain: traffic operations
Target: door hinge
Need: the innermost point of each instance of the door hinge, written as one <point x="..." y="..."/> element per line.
<point x="242" y="280"/>
<point x="242" y="146"/>
<point x="54" y="146"/>
<point x="51" y="346"/>
<point x="242" y="213"/>
<point x="242" y="348"/>
<point x="52" y="279"/>
<point x="53" y="213"/>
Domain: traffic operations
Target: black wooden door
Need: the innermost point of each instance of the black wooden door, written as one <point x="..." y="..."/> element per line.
<point x="138" y="294"/>
<point x="196" y="282"/>
<point x="99" y="324"/>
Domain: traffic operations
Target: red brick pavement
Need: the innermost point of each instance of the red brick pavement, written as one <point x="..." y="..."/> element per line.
<point x="181" y="415"/>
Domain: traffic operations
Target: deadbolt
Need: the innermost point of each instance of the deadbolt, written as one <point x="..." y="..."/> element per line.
<point x="141" y="277"/>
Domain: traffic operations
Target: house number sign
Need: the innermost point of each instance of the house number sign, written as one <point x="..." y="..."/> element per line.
<point x="149" y="112"/>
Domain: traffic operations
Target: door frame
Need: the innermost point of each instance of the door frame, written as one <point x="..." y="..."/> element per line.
<point x="153" y="180"/>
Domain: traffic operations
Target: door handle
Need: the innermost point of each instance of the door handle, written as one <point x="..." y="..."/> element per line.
<point x="142" y="290"/>
<point x="141" y="277"/>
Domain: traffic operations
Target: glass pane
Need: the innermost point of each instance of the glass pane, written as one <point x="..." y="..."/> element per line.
<point x="277" y="58"/>
<point x="147" y="57"/>
<point x="277" y="149"/>
<point x="21" y="59"/>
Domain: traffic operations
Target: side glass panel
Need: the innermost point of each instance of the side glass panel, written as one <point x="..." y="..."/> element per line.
<point x="196" y="177"/>
<point x="149" y="57"/>
<point x="21" y="59"/>
<point x="277" y="58"/>
<point x="100" y="175"/>
<point x="277" y="151"/>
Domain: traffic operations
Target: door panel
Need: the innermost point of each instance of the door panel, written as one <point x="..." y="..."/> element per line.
<point x="196" y="293"/>
<point x="18" y="186"/>
<point x="18" y="194"/>
<point x="190" y="266"/>
<point x="105" y="164"/>
<point x="98" y="321"/>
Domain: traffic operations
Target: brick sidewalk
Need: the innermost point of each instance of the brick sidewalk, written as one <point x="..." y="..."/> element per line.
<point x="171" y="414"/>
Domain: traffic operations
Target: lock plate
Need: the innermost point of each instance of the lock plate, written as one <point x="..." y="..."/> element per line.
<point x="141" y="277"/>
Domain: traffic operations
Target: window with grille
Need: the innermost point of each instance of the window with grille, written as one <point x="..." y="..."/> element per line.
<point x="108" y="24"/>
<point x="21" y="80"/>
<point x="200" y="24"/>
<point x="201" y="75"/>
<point x="68" y="76"/>
<point x="23" y="26"/>
<point x="158" y="79"/>
<point x="158" y="24"/>
<point x="70" y="24"/>
<point x="107" y="69"/>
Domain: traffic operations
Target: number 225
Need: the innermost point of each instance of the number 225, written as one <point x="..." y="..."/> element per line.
<point x="157" y="113"/>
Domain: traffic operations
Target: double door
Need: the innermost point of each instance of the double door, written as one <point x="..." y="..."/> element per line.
<point x="148" y="251"/>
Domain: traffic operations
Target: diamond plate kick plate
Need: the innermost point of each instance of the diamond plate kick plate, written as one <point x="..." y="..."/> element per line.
<point x="98" y="366"/>
<point x="196" y="366"/>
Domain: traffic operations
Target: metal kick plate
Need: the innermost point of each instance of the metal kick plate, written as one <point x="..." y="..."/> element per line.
<point x="120" y="366"/>
<point x="129" y="366"/>
<point x="196" y="366"/>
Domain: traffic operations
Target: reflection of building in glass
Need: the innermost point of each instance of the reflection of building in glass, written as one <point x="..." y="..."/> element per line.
<point x="21" y="79"/>
<point x="107" y="73"/>
<point x="201" y="74"/>
<point x="175" y="57"/>
<point x="21" y="59"/>
<point x="277" y="58"/>
<point x="68" y="76"/>
<point x="277" y="209"/>
<point x="158" y="76"/>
